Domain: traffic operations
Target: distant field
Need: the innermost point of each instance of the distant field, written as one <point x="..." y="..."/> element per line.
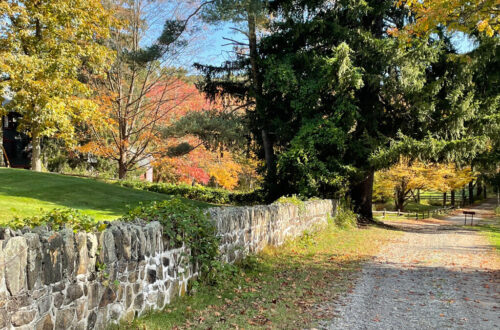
<point x="24" y="193"/>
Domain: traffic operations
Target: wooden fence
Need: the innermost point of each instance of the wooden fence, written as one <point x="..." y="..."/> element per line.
<point x="416" y="215"/>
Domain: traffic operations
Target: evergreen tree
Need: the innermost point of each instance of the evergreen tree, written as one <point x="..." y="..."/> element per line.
<point x="241" y="78"/>
<point x="340" y="88"/>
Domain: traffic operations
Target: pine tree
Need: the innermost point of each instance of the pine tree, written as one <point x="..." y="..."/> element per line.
<point x="339" y="88"/>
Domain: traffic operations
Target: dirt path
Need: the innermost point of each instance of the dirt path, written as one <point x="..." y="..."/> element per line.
<point x="435" y="276"/>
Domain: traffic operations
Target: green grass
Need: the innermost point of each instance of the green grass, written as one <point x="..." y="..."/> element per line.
<point x="492" y="231"/>
<point x="279" y="288"/>
<point x="24" y="193"/>
<point x="410" y="207"/>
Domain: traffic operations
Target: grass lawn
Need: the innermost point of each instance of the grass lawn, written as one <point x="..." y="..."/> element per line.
<point x="290" y="287"/>
<point x="492" y="231"/>
<point x="23" y="193"/>
<point x="424" y="206"/>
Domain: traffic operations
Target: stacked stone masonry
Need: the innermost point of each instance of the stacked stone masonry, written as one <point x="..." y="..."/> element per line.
<point x="67" y="280"/>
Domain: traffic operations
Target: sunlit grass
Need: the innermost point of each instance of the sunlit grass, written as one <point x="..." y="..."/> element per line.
<point x="492" y="231"/>
<point x="24" y="193"/>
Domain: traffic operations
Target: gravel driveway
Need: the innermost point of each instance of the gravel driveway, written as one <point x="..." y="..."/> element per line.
<point x="435" y="276"/>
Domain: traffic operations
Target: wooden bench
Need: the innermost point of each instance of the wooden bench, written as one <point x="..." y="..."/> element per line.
<point x="472" y="214"/>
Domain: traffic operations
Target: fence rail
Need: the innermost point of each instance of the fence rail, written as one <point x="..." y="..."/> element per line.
<point x="417" y="215"/>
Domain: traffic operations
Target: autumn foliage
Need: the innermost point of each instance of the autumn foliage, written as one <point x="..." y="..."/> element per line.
<point x="200" y="165"/>
<point x="457" y="15"/>
<point x="403" y="179"/>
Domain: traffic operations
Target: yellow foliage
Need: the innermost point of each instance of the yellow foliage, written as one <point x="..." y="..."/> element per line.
<point x="225" y="171"/>
<point x="44" y="48"/>
<point x="456" y="15"/>
<point x="402" y="179"/>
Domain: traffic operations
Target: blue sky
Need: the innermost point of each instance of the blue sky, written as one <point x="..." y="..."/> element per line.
<point x="214" y="50"/>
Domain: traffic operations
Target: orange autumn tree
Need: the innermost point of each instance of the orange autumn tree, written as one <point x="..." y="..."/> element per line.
<point x="141" y="87"/>
<point x="187" y="158"/>
<point x="132" y="137"/>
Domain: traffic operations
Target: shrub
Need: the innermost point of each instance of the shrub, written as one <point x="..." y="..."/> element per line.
<point x="345" y="217"/>
<point x="184" y="224"/>
<point x="57" y="219"/>
<point x="200" y="193"/>
<point x="294" y="199"/>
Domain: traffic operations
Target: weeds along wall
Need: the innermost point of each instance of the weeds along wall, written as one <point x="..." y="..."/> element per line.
<point x="68" y="280"/>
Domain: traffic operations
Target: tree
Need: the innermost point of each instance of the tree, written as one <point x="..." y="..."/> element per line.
<point x="338" y="88"/>
<point x="486" y="78"/>
<point x="45" y="47"/>
<point x="203" y="143"/>
<point x="464" y="127"/>
<point x="457" y="15"/>
<point x="405" y="177"/>
<point x="241" y="79"/>
<point x="143" y="86"/>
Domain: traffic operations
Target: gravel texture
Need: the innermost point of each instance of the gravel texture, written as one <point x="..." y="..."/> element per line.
<point x="435" y="276"/>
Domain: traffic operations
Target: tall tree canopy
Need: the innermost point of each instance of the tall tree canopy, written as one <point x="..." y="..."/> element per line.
<point x="240" y="80"/>
<point x="338" y="96"/>
<point x="338" y="88"/>
<point x="45" y="47"/>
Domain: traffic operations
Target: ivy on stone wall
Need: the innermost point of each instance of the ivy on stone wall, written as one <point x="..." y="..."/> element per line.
<point x="57" y="219"/>
<point x="184" y="224"/>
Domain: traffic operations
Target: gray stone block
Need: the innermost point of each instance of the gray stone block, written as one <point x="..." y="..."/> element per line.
<point x="16" y="256"/>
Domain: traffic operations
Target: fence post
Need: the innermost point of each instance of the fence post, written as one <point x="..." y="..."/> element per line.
<point x="384" y="214"/>
<point x="399" y="212"/>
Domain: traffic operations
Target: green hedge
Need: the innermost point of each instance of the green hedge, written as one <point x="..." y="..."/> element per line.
<point x="199" y="193"/>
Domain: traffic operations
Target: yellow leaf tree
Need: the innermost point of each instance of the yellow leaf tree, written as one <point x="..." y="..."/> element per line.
<point x="449" y="178"/>
<point x="457" y="15"/>
<point x="46" y="48"/>
<point x="405" y="177"/>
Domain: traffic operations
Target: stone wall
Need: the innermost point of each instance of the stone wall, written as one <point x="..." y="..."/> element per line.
<point x="246" y="230"/>
<point x="67" y="280"/>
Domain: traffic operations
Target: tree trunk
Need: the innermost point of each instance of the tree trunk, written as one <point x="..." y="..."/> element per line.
<point x="361" y="194"/>
<point x="122" y="171"/>
<point x="269" y="154"/>
<point x="418" y="196"/>
<point x="479" y="189"/>
<point x="485" y="192"/>
<point x="453" y="198"/>
<point x="267" y="141"/>
<point x="2" y="159"/>
<point x="36" y="154"/>
<point x="400" y="201"/>
<point x="463" y="197"/>
<point x="471" y="192"/>
<point x="444" y="199"/>
<point x="254" y="56"/>
<point x="122" y="166"/>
